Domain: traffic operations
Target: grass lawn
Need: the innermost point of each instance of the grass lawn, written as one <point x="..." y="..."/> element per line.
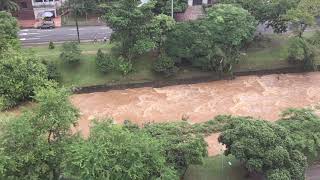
<point x="217" y="168"/>
<point x="271" y="52"/>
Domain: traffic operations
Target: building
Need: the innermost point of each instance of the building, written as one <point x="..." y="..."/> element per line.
<point x="31" y="10"/>
<point x="199" y="2"/>
<point x="194" y="10"/>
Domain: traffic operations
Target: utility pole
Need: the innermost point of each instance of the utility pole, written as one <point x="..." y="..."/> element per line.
<point x="172" y="9"/>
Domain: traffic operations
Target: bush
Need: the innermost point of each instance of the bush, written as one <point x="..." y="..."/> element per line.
<point x="301" y="52"/>
<point x="124" y="66"/>
<point x="71" y="52"/>
<point x="165" y="65"/>
<point x="52" y="69"/>
<point x="104" y="62"/>
<point x="315" y="39"/>
<point x="20" y="75"/>
<point x="51" y="45"/>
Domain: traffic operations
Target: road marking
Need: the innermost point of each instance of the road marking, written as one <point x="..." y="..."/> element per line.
<point x="25" y="30"/>
<point x="23" y="39"/>
<point x="26" y="34"/>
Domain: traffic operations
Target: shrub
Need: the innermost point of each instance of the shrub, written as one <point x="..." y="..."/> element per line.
<point x="301" y="52"/>
<point x="20" y="75"/>
<point x="315" y="39"/>
<point x="165" y="65"/>
<point x="51" y="45"/>
<point x="71" y="52"/>
<point x="104" y="62"/>
<point x="52" y="69"/>
<point x="124" y="66"/>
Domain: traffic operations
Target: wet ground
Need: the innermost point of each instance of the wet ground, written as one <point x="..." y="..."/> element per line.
<point x="261" y="97"/>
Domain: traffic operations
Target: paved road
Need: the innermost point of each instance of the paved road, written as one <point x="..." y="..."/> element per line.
<point x="43" y="36"/>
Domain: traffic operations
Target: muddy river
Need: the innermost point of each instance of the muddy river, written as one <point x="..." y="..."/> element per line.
<point x="261" y="97"/>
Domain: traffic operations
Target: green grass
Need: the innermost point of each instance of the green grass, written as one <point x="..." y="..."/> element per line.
<point x="269" y="53"/>
<point x="266" y="54"/>
<point x="217" y="168"/>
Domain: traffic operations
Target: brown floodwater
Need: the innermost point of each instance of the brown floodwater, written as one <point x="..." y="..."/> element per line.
<point x="261" y="97"/>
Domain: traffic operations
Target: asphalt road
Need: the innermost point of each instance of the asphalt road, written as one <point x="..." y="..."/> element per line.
<point x="44" y="36"/>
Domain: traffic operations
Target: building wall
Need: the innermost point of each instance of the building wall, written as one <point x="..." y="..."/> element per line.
<point x="26" y="10"/>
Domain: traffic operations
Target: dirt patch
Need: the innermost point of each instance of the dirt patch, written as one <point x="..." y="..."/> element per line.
<point x="261" y="97"/>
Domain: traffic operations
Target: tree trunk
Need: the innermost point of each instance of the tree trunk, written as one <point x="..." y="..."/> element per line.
<point x="77" y="25"/>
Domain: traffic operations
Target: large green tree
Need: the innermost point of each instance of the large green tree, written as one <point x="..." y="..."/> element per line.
<point x="265" y="148"/>
<point x="33" y="144"/>
<point x="304" y="15"/>
<point x="269" y="12"/>
<point x="113" y="152"/>
<point x="164" y="6"/>
<point x="129" y="23"/>
<point x="181" y="145"/>
<point x="303" y="125"/>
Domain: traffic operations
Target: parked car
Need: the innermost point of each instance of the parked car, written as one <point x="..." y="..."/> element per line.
<point x="47" y="25"/>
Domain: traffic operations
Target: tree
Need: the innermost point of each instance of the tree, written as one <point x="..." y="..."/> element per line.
<point x="303" y="15"/>
<point x="77" y="8"/>
<point x="159" y="27"/>
<point x="8" y="31"/>
<point x="267" y="12"/>
<point x="164" y="6"/>
<point x="105" y="62"/>
<point x="303" y="125"/>
<point x="8" y="5"/>
<point x="34" y="143"/>
<point x="129" y="24"/>
<point x="182" y="147"/>
<point x="230" y="28"/>
<point x="20" y="75"/>
<point x="112" y="152"/>
<point x="165" y="65"/>
<point x="264" y="148"/>
<point x="71" y="53"/>
<point x="302" y="52"/>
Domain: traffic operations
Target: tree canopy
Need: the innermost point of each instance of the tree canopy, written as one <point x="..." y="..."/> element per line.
<point x="265" y="148"/>
<point x="113" y="152"/>
<point x="33" y="144"/>
<point x="8" y="31"/>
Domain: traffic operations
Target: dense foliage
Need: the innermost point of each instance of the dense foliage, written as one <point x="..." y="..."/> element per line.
<point x="303" y="125"/>
<point x="303" y="15"/>
<point x="20" y="75"/>
<point x="214" y="42"/>
<point x="8" y="31"/>
<point x="270" y="13"/>
<point x="165" y="65"/>
<point x="302" y="52"/>
<point x="112" y="152"/>
<point x="71" y="52"/>
<point x="164" y="6"/>
<point x="104" y="62"/>
<point x="34" y="143"/>
<point x="265" y="148"/>
<point x="181" y="145"/>
<point x="129" y="23"/>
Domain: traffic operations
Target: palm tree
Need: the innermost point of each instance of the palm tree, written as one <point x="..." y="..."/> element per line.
<point x="8" y="5"/>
